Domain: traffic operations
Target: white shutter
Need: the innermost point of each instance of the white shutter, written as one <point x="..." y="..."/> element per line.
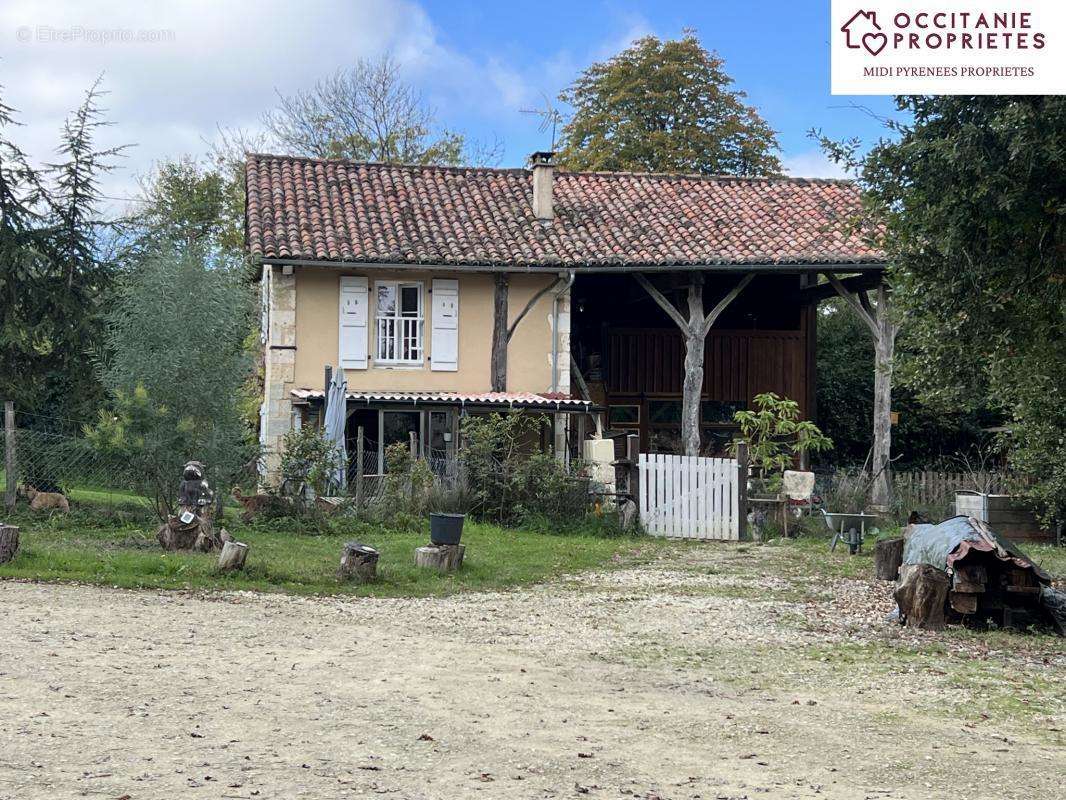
<point x="353" y="322"/>
<point x="444" y="355"/>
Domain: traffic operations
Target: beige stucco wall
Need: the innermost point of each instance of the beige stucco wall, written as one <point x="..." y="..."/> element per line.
<point x="529" y="355"/>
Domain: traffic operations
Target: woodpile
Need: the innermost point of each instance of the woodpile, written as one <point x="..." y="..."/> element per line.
<point x="9" y="542"/>
<point x="964" y="572"/>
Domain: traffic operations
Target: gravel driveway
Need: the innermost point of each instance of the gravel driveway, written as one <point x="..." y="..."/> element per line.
<point x="691" y="677"/>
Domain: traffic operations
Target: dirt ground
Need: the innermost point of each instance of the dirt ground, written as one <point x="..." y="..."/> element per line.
<point x="689" y="677"/>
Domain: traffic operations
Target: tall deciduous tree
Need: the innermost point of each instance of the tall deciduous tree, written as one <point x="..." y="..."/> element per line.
<point x="367" y="113"/>
<point x="973" y="195"/>
<point x="665" y="106"/>
<point x="175" y="339"/>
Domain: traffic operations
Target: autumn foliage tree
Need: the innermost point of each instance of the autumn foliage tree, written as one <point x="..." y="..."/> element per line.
<point x="665" y="106"/>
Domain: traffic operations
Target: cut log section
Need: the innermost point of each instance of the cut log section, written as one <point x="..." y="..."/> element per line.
<point x="441" y="557"/>
<point x="921" y="595"/>
<point x="232" y="557"/>
<point x="359" y="562"/>
<point x="9" y="542"/>
<point x="888" y="556"/>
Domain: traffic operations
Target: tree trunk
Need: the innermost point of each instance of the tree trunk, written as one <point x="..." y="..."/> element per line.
<point x="884" y="352"/>
<point x="441" y="557"/>
<point x="692" y="389"/>
<point x="921" y="595"/>
<point x="232" y="557"/>
<point x="888" y="556"/>
<point x="9" y="542"/>
<point x="498" y="363"/>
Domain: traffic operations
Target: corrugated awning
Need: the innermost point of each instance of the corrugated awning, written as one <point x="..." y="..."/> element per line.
<point x="547" y="401"/>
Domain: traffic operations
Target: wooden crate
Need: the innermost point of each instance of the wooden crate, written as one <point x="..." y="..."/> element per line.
<point x="1004" y="514"/>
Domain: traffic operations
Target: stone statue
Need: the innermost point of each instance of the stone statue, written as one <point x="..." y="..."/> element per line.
<point x="192" y="528"/>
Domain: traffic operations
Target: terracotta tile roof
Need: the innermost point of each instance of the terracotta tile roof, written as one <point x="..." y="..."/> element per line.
<point x="331" y="210"/>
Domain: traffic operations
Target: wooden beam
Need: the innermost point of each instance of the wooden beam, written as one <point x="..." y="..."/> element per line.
<point x="851" y="299"/>
<point x="716" y="312"/>
<point x="498" y="358"/>
<point x="661" y="300"/>
<point x="529" y="306"/>
<point x="853" y="283"/>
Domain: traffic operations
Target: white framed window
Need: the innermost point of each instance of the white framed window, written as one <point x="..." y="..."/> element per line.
<point x="400" y="321"/>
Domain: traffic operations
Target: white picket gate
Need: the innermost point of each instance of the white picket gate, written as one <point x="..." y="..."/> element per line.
<point x="689" y="497"/>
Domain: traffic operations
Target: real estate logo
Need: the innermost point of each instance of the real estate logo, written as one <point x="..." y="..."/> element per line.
<point x="948" y="47"/>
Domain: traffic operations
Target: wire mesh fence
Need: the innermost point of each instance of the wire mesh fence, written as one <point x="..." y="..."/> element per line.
<point x="61" y="463"/>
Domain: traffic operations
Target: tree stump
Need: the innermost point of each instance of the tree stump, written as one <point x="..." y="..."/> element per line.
<point x="888" y="557"/>
<point x="359" y="562"/>
<point x="196" y="535"/>
<point x="232" y="557"/>
<point x="441" y="557"/>
<point x="921" y="595"/>
<point x="9" y="542"/>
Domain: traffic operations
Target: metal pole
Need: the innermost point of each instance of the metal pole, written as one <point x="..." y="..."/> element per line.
<point x="10" y="466"/>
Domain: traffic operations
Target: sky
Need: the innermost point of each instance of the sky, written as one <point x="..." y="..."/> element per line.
<point x="178" y="72"/>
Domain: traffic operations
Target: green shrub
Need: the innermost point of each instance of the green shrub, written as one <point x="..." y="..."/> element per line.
<point x="509" y="481"/>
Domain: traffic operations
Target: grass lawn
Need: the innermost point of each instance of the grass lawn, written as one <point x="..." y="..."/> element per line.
<point x="119" y="549"/>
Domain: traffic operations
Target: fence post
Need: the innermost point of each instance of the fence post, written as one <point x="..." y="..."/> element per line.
<point x="10" y="466"/>
<point x="359" y="467"/>
<point x="742" y="490"/>
<point x="414" y="445"/>
<point x="633" y="456"/>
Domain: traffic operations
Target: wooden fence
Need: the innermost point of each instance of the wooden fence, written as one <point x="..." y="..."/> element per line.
<point x="920" y="488"/>
<point x="689" y="497"/>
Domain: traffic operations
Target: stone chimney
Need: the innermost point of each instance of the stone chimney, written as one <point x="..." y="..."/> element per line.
<point x="543" y="164"/>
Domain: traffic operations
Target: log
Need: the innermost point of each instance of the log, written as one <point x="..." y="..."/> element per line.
<point x="232" y="557"/>
<point x="9" y="542"/>
<point x="921" y="594"/>
<point x="888" y="556"/>
<point x="359" y="562"/>
<point x="441" y="557"/>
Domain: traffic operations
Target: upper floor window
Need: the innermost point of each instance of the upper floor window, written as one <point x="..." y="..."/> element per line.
<point x="400" y="323"/>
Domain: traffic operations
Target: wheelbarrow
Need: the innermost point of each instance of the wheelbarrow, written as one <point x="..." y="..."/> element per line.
<point x="847" y="528"/>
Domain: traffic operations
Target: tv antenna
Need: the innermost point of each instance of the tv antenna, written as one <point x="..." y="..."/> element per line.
<point x="550" y="117"/>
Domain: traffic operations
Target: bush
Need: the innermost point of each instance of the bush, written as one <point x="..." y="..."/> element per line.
<point x="308" y="460"/>
<point x="509" y="482"/>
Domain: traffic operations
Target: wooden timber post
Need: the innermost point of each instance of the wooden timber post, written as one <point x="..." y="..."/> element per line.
<point x="742" y="489"/>
<point x="694" y="325"/>
<point x="633" y="456"/>
<point x="359" y="467"/>
<point x="878" y="319"/>
<point x="498" y="359"/>
<point x="10" y="465"/>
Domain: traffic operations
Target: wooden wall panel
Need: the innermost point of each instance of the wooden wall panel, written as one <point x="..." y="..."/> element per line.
<point x="737" y="364"/>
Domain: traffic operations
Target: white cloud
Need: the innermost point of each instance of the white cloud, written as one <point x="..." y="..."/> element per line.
<point x="196" y="65"/>
<point x="812" y="164"/>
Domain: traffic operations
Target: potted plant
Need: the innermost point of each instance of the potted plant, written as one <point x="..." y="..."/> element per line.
<point x="447" y="512"/>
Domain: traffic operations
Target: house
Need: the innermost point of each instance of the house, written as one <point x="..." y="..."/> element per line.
<point x="445" y="291"/>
